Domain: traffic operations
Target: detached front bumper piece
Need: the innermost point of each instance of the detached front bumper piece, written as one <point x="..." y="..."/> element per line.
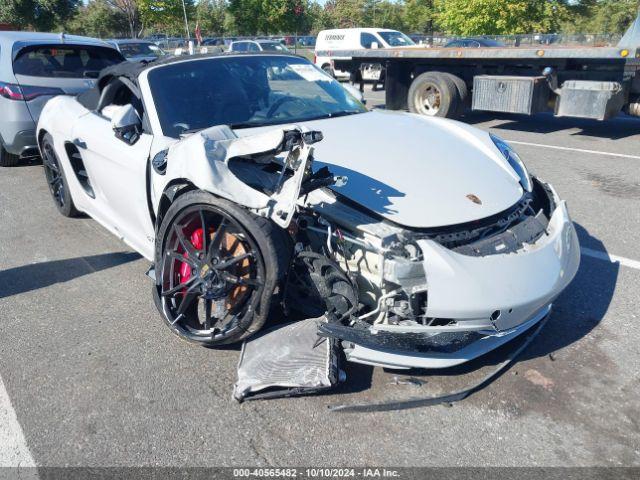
<point x="485" y="302"/>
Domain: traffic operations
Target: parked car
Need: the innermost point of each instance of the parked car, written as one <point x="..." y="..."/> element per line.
<point x="473" y="43"/>
<point x="257" y="46"/>
<point x="425" y="242"/>
<point x="213" y="42"/>
<point x="307" y="41"/>
<point x="356" y="39"/>
<point x="33" y="68"/>
<point x="419" y="39"/>
<point x="136" y="50"/>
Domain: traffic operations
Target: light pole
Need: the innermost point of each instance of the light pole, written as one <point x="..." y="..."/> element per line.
<point x="186" y="22"/>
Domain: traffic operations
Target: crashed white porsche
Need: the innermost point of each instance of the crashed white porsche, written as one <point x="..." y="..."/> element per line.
<point x="257" y="185"/>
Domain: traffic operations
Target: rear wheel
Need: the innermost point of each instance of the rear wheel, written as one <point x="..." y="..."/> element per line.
<point x="434" y="94"/>
<point x="7" y="159"/>
<point x="328" y="70"/>
<point x="217" y="267"/>
<point x="56" y="179"/>
<point x="464" y="99"/>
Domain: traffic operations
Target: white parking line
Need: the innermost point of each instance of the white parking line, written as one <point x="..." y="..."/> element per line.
<point x="580" y="150"/>
<point x="600" y="255"/>
<point x="13" y="447"/>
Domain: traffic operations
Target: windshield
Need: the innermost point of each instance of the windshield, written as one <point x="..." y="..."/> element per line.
<point x="67" y="61"/>
<point x="396" y="39"/>
<point x="273" y="47"/>
<point x="140" y="50"/>
<point x="244" y="92"/>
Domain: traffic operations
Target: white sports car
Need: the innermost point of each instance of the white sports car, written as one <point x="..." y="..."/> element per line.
<point x="424" y="242"/>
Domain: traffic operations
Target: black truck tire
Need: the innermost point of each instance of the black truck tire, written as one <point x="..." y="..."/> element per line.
<point x="464" y="99"/>
<point x="434" y="94"/>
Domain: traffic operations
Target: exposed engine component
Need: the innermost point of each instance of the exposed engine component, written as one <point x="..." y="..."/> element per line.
<point x="316" y="284"/>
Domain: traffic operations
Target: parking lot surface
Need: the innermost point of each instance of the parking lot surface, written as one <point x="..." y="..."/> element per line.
<point x="91" y="376"/>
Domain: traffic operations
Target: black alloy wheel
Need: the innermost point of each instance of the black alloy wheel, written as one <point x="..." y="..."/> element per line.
<point x="216" y="269"/>
<point x="56" y="179"/>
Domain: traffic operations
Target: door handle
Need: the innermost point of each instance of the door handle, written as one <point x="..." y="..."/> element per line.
<point x="79" y="143"/>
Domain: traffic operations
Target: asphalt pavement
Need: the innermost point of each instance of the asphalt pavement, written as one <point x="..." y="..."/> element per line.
<point x="90" y="376"/>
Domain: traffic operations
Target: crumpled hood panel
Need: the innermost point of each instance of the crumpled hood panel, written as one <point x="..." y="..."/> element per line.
<point x="416" y="171"/>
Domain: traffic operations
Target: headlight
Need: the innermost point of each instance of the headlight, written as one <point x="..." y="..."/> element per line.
<point x="515" y="161"/>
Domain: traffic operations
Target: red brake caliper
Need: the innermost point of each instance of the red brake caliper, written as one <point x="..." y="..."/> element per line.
<point x="185" y="268"/>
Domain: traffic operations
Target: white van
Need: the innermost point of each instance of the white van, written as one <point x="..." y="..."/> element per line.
<point x="356" y="39"/>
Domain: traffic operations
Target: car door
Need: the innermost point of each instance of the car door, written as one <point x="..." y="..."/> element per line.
<point x="118" y="170"/>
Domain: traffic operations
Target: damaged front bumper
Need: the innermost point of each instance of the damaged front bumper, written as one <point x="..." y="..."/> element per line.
<point x="483" y="301"/>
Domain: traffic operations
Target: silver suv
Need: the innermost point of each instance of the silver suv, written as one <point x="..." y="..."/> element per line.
<point x="33" y="68"/>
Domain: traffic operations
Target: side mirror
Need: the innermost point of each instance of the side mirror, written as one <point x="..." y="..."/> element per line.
<point x="375" y="45"/>
<point x="126" y="124"/>
<point x="354" y="92"/>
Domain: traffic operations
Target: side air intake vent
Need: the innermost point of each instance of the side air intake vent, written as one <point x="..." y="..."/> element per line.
<point x="78" y="168"/>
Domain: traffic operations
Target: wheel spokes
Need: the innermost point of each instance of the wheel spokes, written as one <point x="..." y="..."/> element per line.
<point x="181" y="258"/>
<point x="178" y="288"/>
<point x="241" y="281"/>
<point x="190" y="296"/>
<point x="216" y="241"/>
<point x="185" y="242"/>
<point x="205" y="233"/>
<point x="232" y="261"/>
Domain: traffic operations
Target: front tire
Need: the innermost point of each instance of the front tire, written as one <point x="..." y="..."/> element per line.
<point x="217" y="267"/>
<point x="56" y="179"/>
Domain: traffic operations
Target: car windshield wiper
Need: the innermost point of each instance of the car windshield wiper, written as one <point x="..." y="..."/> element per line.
<point x="250" y="124"/>
<point x="190" y="130"/>
<point x="343" y="113"/>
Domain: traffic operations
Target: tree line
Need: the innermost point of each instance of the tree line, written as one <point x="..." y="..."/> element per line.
<point x="135" y="18"/>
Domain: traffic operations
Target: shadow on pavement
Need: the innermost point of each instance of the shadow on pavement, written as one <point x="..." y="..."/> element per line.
<point x="27" y="162"/>
<point x="620" y="127"/>
<point x="15" y="281"/>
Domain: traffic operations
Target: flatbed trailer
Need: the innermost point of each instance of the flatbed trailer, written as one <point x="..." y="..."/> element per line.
<point x="585" y="82"/>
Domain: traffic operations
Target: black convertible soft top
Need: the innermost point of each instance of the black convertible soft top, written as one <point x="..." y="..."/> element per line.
<point x="129" y="70"/>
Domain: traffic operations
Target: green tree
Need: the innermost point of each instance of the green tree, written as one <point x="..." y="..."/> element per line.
<point x="128" y="8"/>
<point x="419" y="16"/>
<point x="165" y="15"/>
<point x="323" y="16"/>
<point x="247" y="16"/>
<point x="212" y="16"/>
<point x="348" y="13"/>
<point x="287" y="16"/>
<point x="494" y="17"/>
<point x="99" y="19"/>
<point x="383" y="14"/>
<point x="41" y="15"/>
<point x="612" y="16"/>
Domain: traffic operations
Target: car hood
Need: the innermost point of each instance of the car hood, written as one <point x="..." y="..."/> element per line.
<point x="417" y="171"/>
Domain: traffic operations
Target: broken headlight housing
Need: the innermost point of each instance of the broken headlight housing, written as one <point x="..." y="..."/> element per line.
<point x="515" y="162"/>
